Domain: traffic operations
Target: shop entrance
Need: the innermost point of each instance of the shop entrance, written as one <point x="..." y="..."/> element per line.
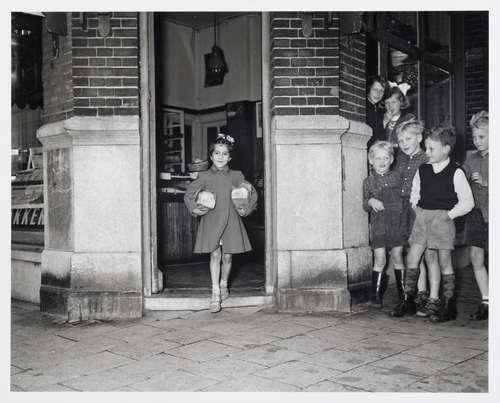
<point x="189" y="112"/>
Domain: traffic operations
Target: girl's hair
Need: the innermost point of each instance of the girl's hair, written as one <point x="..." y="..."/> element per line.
<point x="417" y="126"/>
<point x="403" y="100"/>
<point x="479" y="120"/>
<point x="381" y="145"/>
<point x="444" y="133"/>
<point x="224" y="139"/>
<point x="375" y="79"/>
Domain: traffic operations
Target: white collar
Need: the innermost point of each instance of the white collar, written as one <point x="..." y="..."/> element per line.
<point x="439" y="166"/>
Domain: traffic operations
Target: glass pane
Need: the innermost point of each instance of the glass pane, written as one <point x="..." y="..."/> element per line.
<point x="437" y="34"/>
<point x="403" y="68"/>
<point x="403" y="25"/>
<point x="437" y="102"/>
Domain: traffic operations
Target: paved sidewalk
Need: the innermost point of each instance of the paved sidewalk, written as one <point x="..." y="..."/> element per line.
<point x="249" y="349"/>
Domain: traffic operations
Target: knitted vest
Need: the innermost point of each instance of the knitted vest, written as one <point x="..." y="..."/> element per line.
<point x="437" y="191"/>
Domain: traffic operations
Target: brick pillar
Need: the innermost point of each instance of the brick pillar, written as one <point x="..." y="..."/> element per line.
<point x="91" y="265"/>
<point x="320" y="157"/>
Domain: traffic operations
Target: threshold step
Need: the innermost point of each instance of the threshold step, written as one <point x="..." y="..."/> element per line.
<point x="175" y="302"/>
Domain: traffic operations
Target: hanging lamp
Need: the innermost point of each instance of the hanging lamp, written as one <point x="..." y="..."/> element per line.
<point x="215" y="64"/>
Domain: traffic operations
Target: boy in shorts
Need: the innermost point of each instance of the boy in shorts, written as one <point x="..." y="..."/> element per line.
<point x="476" y="222"/>
<point x="410" y="158"/>
<point x="440" y="193"/>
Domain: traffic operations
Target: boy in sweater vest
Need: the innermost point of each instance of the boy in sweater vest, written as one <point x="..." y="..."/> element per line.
<point x="440" y="193"/>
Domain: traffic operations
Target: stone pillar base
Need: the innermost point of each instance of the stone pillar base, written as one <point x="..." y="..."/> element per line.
<point x="313" y="300"/>
<point x="88" y="305"/>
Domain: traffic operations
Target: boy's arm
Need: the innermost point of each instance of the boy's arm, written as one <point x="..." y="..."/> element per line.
<point x="415" y="190"/>
<point x="464" y="194"/>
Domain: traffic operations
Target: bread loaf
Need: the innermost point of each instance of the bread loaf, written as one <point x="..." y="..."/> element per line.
<point x="206" y="198"/>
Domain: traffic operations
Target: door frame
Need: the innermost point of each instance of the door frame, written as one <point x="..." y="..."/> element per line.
<point x="152" y="276"/>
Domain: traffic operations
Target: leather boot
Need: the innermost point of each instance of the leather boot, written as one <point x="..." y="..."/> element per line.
<point x="398" y="274"/>
<point x="448" y="309"/>
<point x="379" y="285"/>
<point x="406" y="304"/>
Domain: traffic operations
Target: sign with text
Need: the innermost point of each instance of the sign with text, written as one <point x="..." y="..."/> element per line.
<point x="27" y="218"/>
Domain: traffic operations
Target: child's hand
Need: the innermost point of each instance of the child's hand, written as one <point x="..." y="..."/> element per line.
<point x="201" y="210"/>
<point x="376" y="204"/>
<point x="477" y="178"/>
<point x="240" y="211"/>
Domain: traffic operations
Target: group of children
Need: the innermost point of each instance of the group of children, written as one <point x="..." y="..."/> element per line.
<point x="413" y="197"/>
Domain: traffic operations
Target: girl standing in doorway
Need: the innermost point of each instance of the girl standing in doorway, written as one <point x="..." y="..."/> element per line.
<point x="221" y="231"/>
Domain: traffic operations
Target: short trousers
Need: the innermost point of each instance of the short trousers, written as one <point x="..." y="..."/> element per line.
<point x="476" y="229"/>
<point x="386" y="230"/>
<point x="433" y="229"/>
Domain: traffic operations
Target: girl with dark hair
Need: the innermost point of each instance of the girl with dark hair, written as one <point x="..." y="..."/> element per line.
<point x="374" y="113"/>
<point x="395" y="103"/>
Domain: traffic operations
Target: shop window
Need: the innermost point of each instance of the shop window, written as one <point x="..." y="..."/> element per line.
<point x="437" y="34"/>
<point x="403" y="68"/>
<point x="403" y="25"/>
<point x="437" y="95"/>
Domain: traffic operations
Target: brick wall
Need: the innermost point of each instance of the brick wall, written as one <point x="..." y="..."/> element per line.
<point x="106" y="70"/>
<point x="304" y="71"/>
<point x="476" y="67"/>
<point x="56" y="77"/>
<point x="352" y="77"/>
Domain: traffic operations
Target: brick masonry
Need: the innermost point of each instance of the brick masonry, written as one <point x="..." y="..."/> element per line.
<point x="105" y="69"/>
<point x="353" y="77"/>
<point x="304" y="70"/>
<point x="57" y="77"/>
<point x="476" y="67"/>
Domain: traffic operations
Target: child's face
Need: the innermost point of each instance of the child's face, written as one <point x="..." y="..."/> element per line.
<point x="376" y="92"/>
<point x="480" y="138"/>
<point x="393" y="104"/>
<point x="409" y="141"/>
<point x="436" y="151"/>
<point x="220" y="156"/>
<point x="381" y="161"/>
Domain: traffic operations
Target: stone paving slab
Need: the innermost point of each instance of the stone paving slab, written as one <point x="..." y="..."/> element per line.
<point x="225" y="368"/>
<point x="340" y="360"/>
<point x="188" y="336"/>
<point x="203" y="351"/>
<point x="251" y="383"/>
<point x="412" y="364"/>
<point x="103" y="381"/>
<point x="376" y="379"/>
<point x="269" y="355"/>
<point x="298" y="373"/>
<point x="305" y="344"/>
<point x="247" y="339"/>
<point x="375" y="346"/>
<point x="329" y="386"/>
<point x="160" y="363"/>
<point x="444" y="352"/>
<point x="176" y="381"/>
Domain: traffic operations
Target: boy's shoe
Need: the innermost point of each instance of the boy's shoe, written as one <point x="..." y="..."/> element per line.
<point x="481" y="312"/>
<point x="447" y="311"/>
<point x="433" y="307"/>
<point x="421" y="302"/>
<point x="215" y="303"/>
<point x="405" y="306"/>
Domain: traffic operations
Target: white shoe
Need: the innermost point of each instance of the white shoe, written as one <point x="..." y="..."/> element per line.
<point x="215" y="303"/>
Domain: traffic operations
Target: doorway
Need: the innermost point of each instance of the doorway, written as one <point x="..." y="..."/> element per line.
<point x="188" y="117"/>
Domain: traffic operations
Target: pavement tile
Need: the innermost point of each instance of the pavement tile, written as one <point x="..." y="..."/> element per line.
<point x="226" y="367"/>
<point x="316" y="321"/>
<point x="305" y="344"/>
<point x="152" y="316"/>
<point x="244" y="310"/>
<point x="298" y="373"/>
<point x="34" y="379"/>
<point x="223" y="327"/>
<point x="173" y="324"/>
<point x="157" y="364"/>
<point x="82" y="331"/>
<point x="269" y="355"/>
<point x="88" y="365"/>
<point x="251" y="383"/>
<point x="137" y="333"/>
<point x="483" y="356"/>
<point x="407" y="339"/>
<point x="15" y="388"/>
<point x="444" y="352"/>
<point x="247" y="339"/>
<point x="203" y="351"/>
<point x="15" y="370"/>
<point x="472" y="342"/>
<point x="340" y="360"/>
<point x="375" y="346"/>
<point x="175" y="381"/>
<point x="467" y="377"/>
<point x="376" y="379"/>
<point x="285" y="329"/>
<point x="103" y="381"/>
<point x="329" y="386"/>
<point x="188" y="336"/>
<point x="411" y="364"/>
<point x="341" y="335"/>
<point x="150" y="347"/>
<point x="56" y="387"/>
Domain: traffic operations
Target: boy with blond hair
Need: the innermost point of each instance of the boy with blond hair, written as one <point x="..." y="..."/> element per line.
<point x="476" y="222"/>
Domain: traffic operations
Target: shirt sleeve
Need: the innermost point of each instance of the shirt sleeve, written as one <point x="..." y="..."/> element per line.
<point x="466" y="167"/>
<point x="464" y="194"/>
<point x="192" y="191"/>
<point x="415" y="189"/>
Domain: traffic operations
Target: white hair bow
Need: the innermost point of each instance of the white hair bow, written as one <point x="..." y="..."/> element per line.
<point x="403" y="87"/>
